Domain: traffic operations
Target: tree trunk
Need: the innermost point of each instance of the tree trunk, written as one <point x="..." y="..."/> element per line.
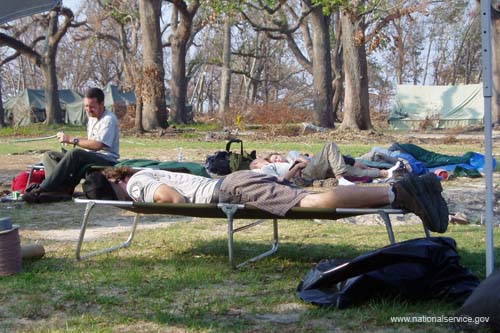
<point x="338" y="82"/>
<point x="181" y="33"/>
<point x="138" y="112"/>
<point x="225" y="87"/>
<point x="400" y="48"/>
<point x="322" y="70"/>
<point x="153" y="89"/>
<point x="495" y="60"/>
<point x="356" y="100"/>
<point x="52" y="106"/>
<point x="2" y="112"/>
<point x="48" y="66"/>
<point x="178" y="83"/>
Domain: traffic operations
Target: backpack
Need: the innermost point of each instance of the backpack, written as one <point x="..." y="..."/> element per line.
<point x="97" y="186"/>
<point x="224" y="162"/>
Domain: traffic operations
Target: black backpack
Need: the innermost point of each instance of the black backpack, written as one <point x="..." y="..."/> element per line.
<point x="224" y="162"/>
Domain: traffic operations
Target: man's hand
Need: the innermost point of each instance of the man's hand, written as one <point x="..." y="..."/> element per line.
<point x="64" y="138"/>
<point x="82" y="142"/>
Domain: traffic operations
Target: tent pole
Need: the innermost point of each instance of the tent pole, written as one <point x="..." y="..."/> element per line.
<point x="487" y="93"/>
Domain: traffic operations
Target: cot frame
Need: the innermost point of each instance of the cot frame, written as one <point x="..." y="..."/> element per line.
<point x="230" y="212"/>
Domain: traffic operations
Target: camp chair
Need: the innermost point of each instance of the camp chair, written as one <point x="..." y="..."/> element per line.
<point x="230" y="212"/>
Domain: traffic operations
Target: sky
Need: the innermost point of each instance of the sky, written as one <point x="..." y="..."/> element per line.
<point x="74" y="5"/>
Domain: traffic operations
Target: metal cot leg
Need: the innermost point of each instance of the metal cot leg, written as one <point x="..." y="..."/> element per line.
<point x="388" y="225"/>
<point x="88" y="209"/>
<point x="230" y="210"/>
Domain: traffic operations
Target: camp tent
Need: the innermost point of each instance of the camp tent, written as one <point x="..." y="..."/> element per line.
<point x="115" y="100"/>
<point x="439" y="106"/>
<point x="29" y="106"/>
<point x="25" y="108"/>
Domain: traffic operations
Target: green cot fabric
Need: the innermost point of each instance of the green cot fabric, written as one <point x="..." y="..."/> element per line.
<point x="191" y="167"/>
<point x="432" y="159"/>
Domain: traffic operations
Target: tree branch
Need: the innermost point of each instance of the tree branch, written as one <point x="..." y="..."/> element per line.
<point x="6" y="40"/>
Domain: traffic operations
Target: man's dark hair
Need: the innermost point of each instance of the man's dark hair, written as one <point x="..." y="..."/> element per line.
<point x="95" y="93"/>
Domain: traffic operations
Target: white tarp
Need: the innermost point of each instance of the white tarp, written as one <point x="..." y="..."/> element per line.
<point x="437" y="106"/>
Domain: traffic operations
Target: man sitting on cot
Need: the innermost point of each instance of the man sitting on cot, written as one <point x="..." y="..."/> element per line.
<point x="420" y="195"/>
<point x="328" y="163"/>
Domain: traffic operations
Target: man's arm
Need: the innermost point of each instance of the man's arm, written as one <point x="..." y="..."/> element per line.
<point x="295" y="169"/>
<point x="166" y="194"/>
<point x="80" y="142"/>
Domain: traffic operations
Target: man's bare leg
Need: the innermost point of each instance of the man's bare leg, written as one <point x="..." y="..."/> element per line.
<point x="348" y="197"/>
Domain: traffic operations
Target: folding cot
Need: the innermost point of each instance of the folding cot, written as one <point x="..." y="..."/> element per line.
<point x="230" y="212"/>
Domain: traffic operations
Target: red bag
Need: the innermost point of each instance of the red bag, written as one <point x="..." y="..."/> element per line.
<point x="19" y="182"/>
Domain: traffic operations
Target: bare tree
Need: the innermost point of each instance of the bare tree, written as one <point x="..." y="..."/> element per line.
<point x="226" y="69"/>
<point x="182" y="30"/>
<point x="2" y="113"/>
<point x="317" y="61"/>
<point x="45" y="60"/>
<point x="153" y="89"/>
<point x="356" y="101"/>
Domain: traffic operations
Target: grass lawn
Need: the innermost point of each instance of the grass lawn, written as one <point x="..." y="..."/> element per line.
<point x="177" y="278"/>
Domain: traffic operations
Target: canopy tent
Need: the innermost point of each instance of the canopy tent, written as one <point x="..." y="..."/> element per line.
<point x="29" y="107"/>
<point x="12" y="10"/>
<point x="438" y="106"/>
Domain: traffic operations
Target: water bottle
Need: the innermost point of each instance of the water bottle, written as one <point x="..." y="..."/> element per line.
<point x="179" y="156"/>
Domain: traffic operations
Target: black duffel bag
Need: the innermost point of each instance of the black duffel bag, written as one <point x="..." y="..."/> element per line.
<point x="224" y="162"/>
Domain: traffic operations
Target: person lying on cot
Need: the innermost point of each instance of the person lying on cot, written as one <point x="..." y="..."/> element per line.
<point x="328" y="163"/>
<point x="420" y="195"/>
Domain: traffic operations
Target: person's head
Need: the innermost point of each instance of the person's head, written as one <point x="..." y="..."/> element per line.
<point x="275" y="158"/>
<point x="258" y="163"/>
<point x="117" y="174"/>
<point x="94" y="102"/>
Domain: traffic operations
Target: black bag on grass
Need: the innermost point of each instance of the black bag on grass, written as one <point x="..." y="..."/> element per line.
<point x="224" y="162"/>
<point x="417" y="269"/>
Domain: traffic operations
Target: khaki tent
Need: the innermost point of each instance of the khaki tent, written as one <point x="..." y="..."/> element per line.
<point x="114" y="100"/>
<point x="439" y="106"/>
<point x="29" y="106"/>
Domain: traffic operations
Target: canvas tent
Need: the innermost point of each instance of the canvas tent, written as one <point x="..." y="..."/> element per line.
<point x="26" y="108"/>
<point x="29" y="106"/>
<point x="441" y="106"/>
<point x="115" y="100"/>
